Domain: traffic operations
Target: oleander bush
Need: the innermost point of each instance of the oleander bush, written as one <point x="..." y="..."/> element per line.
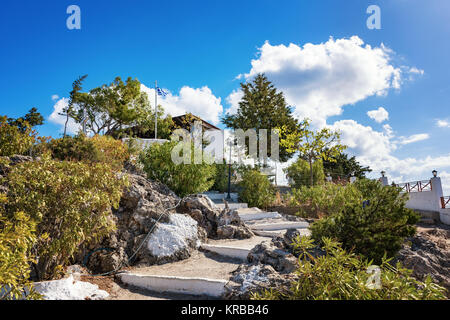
<point x="338" y="274"/>
<point x="323" y="200"/>
<point x="15" y="140"/>
<point x="183" y="179"/>
<point x="70" y="203"/>
<point x="98" y="149"/>
<point x="256" y="189"/>
<point x="298" y="173"/>
<point x="374" y="223"/>
<point x="17" y="236"/>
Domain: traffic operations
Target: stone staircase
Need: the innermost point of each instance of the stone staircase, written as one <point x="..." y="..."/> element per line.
<point x="207" y="271"/>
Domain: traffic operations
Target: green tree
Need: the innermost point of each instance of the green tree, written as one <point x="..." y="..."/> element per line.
<point x="14" y="139"/>
<point x="299" y="175"/>
<point x="343" y="166"/>
<point x="69" y="111"/>
<point x="375" y="222"/>
<point x="111" y="107"/>
<point x="183" y="179"/>
<point x="256" y="189"/>
<point x="32" y="119"/>
<point x="263" y="107"/>
<point x="312" y="145"/>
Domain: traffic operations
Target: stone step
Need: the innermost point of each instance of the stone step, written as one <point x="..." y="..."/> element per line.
<point x="232" y="206"/>
<point x="203" y="274"/>
<point x="280" y="233"/>
<point x="259" y="216"/>
<point x="236" y="249"/>
<point x="176" y="284"/>
<point x="279" y="225"/>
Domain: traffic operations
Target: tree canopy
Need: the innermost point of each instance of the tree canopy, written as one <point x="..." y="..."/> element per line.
<point x="263" y="107"/>
<point x="343" y="166"/>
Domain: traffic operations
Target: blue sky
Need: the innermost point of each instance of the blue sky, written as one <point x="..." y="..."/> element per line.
<point x="196" y="49"/>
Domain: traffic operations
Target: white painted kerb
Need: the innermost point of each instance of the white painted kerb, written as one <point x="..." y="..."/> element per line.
<point x="232" y="252"/>
<point x="184" y="285"/>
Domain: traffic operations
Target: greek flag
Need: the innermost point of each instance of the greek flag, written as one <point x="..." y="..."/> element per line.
<point x="161" y="92"/>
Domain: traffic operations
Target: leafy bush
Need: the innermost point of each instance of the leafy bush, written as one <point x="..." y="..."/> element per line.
<point x="17" y="236"/>
<point x="342" y="275"/>
<point x="256" y="189"/>
<point x="183" y="179"/>
<point x="323" y="200"/>
<point x="70" y="202"/>
<point x="298" y="173"/>
<point x="374" y="223"/>
<point x="98" y="149"/>
<point x="14" y="140"/>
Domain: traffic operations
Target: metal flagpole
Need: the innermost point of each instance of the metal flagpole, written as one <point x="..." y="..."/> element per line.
<point x="156" y="109"/>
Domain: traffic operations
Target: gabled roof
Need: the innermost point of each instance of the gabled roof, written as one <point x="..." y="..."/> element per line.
<point x="208" y="126"/>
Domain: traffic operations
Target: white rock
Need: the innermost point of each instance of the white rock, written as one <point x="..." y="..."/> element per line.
<point x="69" y="289"/>
<point x="168" y="238"/>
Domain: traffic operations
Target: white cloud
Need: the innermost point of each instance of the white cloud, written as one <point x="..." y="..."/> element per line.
<point x="414" y="138"/>
<point x="56" y="118"/>
<point x="198" y="101"/>
<point x="443" y="123"/>
<point x="379" y="115"/>
<point x="55" y="97"/>
<point x="233" y="100"/>
<point x="319" y="79"/>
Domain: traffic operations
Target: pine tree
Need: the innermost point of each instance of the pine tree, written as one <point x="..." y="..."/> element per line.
<point x="263" y="107"/>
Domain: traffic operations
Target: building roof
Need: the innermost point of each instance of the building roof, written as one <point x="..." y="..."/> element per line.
<point x="179" y="120"/>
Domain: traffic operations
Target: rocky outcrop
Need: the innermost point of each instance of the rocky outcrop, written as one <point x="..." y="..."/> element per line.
<point x="218" y="224"/>
<point x="250" y="279"/>
<point x="428" y="253"/>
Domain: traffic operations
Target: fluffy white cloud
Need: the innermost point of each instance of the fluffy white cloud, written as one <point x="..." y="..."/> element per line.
<point x="414" y="138"/>
<point x="56" y="118"/>
<point x="379" y="115"/>
<point x="198" y="101"/>
<point x="376" y="148"/>
<point x="55" y="97"/>
<point x="319" y="79"/>
<point x="443" y="123"/>
<point x="233" y="100"/>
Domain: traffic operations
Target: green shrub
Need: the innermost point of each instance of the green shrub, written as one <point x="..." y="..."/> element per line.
<point x="256" y="189"/>
<point x="221" y="177"/>
<point x="298" y="173"/>
<point x="70" y="202"/>
<point x="17" y="236"/>
<point x="14" y="140"/>
<point x="98" y="149"/>
<point x="323" y="200"/>
<point x="342" y="275"/>
<point x="183" y="179"/>
<point x="375" y="223"/>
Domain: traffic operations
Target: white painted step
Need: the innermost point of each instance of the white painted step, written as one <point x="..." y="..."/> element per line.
<point x="259" y="216"/>
<point x="232" y="206"/>
<point x="280" y="233"/>
<point x="228" y="251"/>
<point x="279" y="225"/>
<point x="176" y="284"/>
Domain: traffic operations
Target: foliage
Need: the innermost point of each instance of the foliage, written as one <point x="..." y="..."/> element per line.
<point x="256" y="189"/>
<point x="343" y="166"/>
<point x="312" y="145"/>
<point x="221" y="177"/>
<point x="374" y="223"/>
<point x="262" y="107"/>
<point x="183" y="179"/>
<point x="298" y="173"/>
<point x="30" y="120"/>
<point x="106" y="109"/>
<point x="14" y="139"/>
<point x="323" y="200"/>
<point x="342" y="275"/>
<point x="98" y="149"/>
<point x="70" y="202"/>
<point x="17" y="236"/>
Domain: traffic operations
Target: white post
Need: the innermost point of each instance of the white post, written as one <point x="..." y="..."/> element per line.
<point x="436" y="189"/>
<point x="384" y="180"/>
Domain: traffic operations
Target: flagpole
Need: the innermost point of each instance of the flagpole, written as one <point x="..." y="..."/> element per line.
<point x="156" y="109"/>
